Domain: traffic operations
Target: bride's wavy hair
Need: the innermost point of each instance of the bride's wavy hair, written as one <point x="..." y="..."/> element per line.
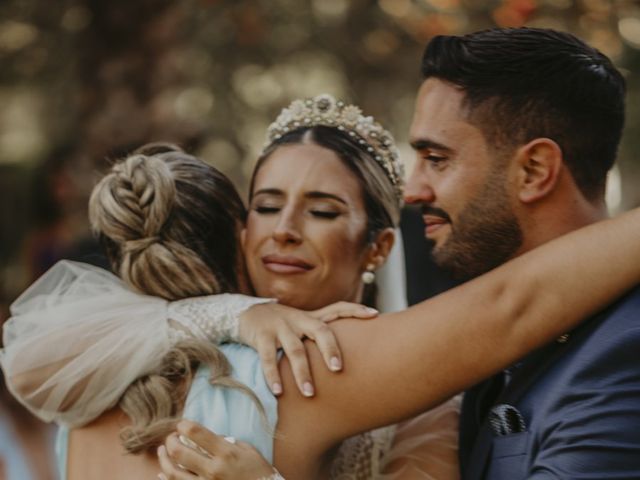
<point x="170" y="224"/>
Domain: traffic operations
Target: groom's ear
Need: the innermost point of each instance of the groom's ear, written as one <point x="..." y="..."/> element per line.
<point x="381" y="247"/>
<point x="539" y="164"/>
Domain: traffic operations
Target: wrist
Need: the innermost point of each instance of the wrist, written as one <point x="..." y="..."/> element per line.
<point x="251" y="319"/>
<point x="213" y="318"/>
<point x="274" y="476"/>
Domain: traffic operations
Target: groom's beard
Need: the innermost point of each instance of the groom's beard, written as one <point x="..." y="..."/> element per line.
<point x="483" y="236"/>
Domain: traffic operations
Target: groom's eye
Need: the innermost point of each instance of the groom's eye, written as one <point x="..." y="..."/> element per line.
<point x="435" y="158"/>
<point x="436" y="161"/>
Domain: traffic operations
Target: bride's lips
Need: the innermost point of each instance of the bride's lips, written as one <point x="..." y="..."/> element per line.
<point x="285" y="264"/>
<point x="433" y="223"/>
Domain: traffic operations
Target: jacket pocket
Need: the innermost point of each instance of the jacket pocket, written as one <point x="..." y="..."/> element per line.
<point x="509" y="457"/>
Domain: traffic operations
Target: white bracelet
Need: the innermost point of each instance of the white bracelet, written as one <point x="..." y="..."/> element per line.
<point x="214" y="317"/>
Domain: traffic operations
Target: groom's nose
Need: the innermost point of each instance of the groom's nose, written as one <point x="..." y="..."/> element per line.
<point x="418" y="190"/>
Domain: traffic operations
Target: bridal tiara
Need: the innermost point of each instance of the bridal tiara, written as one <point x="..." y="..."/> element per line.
<point x="325" y="110"/>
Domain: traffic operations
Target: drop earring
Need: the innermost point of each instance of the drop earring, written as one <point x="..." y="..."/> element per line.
<point x="368" y="276"/>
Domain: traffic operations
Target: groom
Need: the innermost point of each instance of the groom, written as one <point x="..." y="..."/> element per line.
<point x="515" y="131"/>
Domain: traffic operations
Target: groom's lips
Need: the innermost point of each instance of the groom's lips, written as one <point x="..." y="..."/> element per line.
<point x="433" y="223"/>
<point x="287" y="264"/>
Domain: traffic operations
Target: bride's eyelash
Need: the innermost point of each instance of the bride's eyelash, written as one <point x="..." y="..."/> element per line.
<point x="323" y="214"/>
<point x="266" y="210"/>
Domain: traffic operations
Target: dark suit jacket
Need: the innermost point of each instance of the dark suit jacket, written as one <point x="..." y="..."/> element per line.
<point x="580" y="401"/>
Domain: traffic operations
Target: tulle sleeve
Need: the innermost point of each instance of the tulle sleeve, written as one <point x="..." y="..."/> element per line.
<point x="69" y="352"/>
<point x="425" y="447"/>
<point x="78" y="337"/>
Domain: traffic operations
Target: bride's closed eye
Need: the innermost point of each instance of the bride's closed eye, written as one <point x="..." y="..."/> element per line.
<point x="325" y="214"/>
<point x="266" y="209"/>
<point x="324" y="209"/>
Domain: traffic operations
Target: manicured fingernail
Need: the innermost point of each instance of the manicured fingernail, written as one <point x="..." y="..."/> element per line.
<point x="276" y="388"/>
<point x="336" y="364"/>
<point x="307" y="389"/>
<point x="371" y="310"/>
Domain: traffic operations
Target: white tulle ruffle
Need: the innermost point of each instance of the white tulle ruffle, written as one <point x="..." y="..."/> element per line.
<point x="78" y="337"/>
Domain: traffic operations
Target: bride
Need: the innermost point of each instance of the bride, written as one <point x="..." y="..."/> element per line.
<point x="366" y="394"/>
<point x="380" y="191"/>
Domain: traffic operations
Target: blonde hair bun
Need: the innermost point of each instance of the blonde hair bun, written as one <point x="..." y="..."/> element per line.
<point x="131" y="207"/>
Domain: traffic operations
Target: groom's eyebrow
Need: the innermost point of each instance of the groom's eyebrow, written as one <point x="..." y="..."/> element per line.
<point x="425" y="144"/>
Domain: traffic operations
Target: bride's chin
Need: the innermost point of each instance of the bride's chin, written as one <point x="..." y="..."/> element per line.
<point x="290" y="298"/>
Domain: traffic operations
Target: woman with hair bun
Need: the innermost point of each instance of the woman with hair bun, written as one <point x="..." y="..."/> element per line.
<point x="308" y="205"/>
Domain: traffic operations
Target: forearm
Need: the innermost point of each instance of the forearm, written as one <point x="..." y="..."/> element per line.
<point x="401" y="364"/>
<point x="214" y="318"/>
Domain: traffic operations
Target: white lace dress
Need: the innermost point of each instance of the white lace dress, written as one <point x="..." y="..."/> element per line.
<point x="423" y="448"/>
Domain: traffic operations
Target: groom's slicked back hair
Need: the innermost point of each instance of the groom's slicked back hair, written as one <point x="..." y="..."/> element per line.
<point x="527" y="83"/>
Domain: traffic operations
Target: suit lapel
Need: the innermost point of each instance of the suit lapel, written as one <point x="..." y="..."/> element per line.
<point x="476" y="405"/>
<point x="531" y="369"/>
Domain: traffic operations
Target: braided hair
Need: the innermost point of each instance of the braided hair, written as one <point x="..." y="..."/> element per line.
<point x="170" y="224"/>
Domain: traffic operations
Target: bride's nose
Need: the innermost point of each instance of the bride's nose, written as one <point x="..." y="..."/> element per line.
<point x="287" y="229"/>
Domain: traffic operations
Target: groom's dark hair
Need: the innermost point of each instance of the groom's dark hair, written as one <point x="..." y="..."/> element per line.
<point x="527" y="83"/>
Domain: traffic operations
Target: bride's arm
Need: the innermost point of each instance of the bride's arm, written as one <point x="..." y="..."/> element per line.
<point x="400" y="364"/>
<point x="78" y="337"/>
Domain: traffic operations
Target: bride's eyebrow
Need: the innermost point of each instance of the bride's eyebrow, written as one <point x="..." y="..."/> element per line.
<point x="268" y="191"/>
<point x="324" y="195"/>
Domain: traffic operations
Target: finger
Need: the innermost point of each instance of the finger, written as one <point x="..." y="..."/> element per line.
<point x="328" y="345"/>
<point x="214" y="444"/>
<point x="297" y="354"/>
<point x="344" y="310"/>
<point x="170" y="471"/>
<point x="269" y="359"/>
<point x="186" y="457"/>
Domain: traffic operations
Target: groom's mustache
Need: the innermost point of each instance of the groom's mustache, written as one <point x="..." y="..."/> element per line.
<point x="435" y="212"/>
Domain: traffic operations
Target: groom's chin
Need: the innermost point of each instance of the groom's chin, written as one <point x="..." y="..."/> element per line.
<point x="448" y="259"/>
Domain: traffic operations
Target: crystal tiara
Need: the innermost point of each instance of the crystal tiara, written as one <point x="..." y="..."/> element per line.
<point x="325" y="110"/>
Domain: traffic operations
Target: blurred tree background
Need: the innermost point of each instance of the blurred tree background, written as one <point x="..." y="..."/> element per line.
<point x="87" y="80"/>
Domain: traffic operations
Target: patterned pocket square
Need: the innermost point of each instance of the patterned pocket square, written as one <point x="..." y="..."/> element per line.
<point x="505" y="420"/>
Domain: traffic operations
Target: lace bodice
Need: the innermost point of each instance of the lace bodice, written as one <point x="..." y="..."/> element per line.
<point x="361" y="457"/>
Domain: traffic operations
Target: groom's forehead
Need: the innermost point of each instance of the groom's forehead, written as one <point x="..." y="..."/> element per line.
<point x="439" y="109"/>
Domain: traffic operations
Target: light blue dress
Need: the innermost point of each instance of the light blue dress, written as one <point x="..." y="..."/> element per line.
<point x="15" y="462"/>
<point x="226" y="411"/>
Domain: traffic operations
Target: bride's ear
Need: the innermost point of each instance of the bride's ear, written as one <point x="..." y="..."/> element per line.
<point x="243" y="237"/>
<point x="381" y="247"/>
